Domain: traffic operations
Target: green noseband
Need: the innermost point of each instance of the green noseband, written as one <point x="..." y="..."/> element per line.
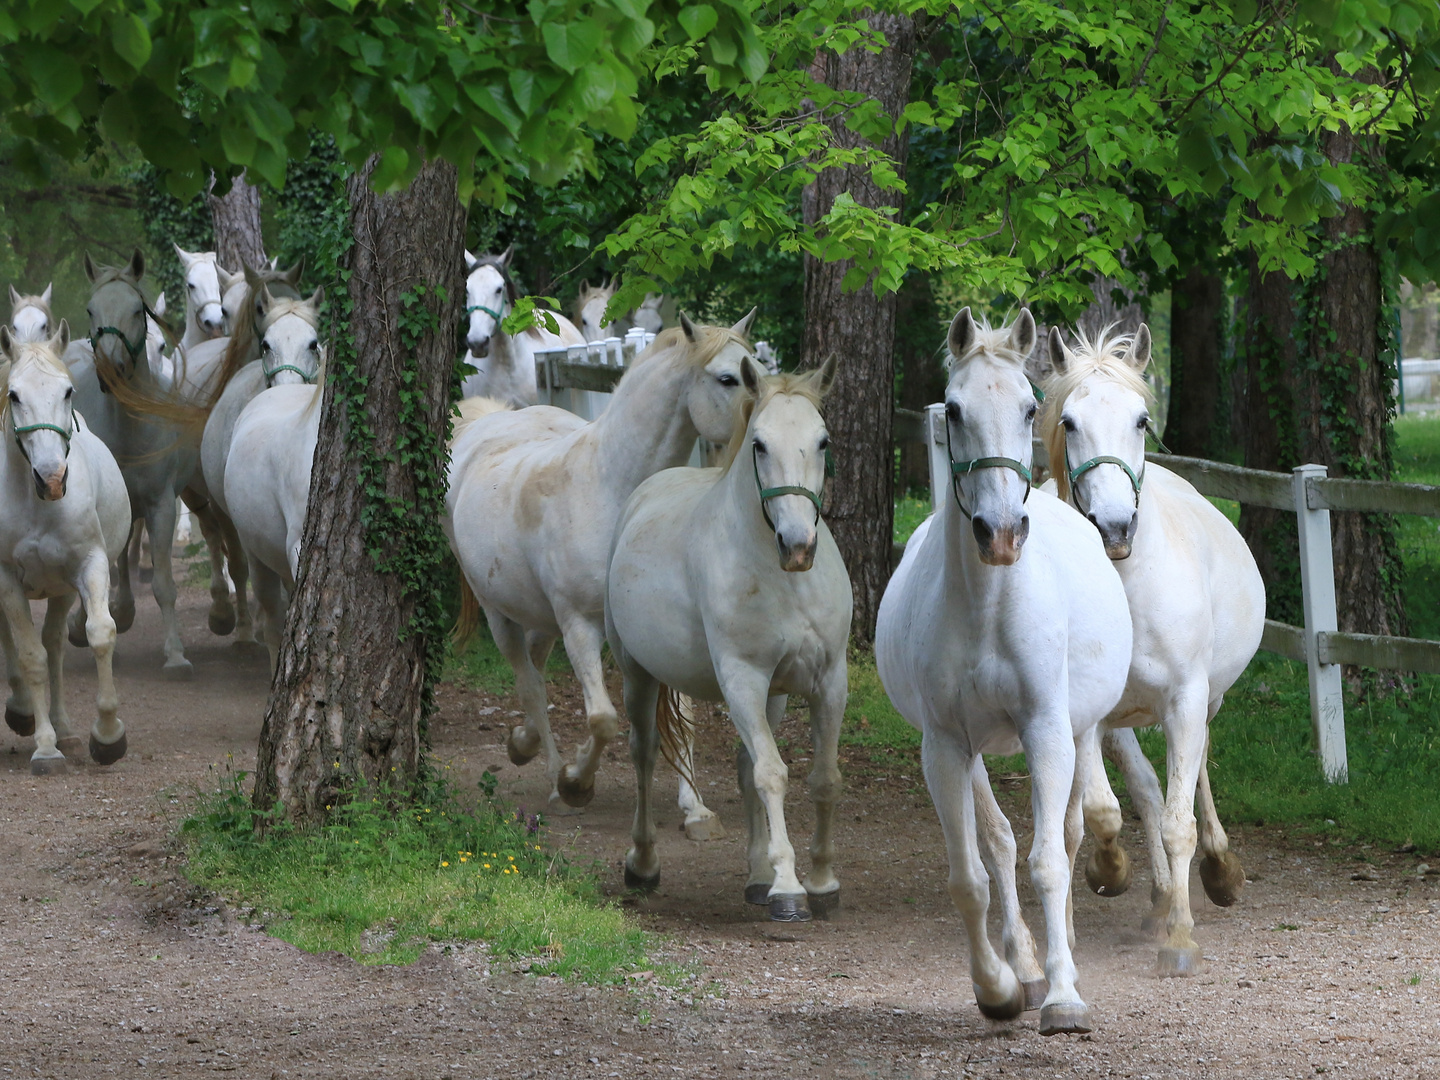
<point x="1104" y="459"/>
<point x="488" y="311"/>
<point x="270" y="373"/>
<point x="789" y="489"/>
<point x="964" y="468"/>
<point x="25" y="429"/>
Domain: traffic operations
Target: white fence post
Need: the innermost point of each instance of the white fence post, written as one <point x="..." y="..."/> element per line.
<point x="1317" y="585"/>
<point x="938" y="452"/>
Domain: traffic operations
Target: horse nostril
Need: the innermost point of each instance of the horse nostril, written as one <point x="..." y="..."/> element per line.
<point x="1093" y="520"/>
<point x="1022" y="530"/>
<point x="983" y="532"/>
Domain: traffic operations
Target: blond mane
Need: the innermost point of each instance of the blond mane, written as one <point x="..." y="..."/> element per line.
<point x="1106" y="356"/>
<point x="800" y="384"/>
<point x="26" y="353"/>
<point x="708" y="342"/>
<point x="993" y="340"/>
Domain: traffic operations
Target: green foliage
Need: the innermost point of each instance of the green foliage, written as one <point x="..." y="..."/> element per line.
<point x="169" y="221"/>
<point x="909" y="513"/>
<point x="478" y="665"/>
<point x="870" y="719"/>
<point x="310" y="211"/>
<point x="385" y="876"/>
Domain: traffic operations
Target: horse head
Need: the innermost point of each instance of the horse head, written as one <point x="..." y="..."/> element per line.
<point x="290" y="349"/>
<point x="1095" y="427"/>
<point x="117" y="313"/>
<point x="717" y="356"/>
<point x="489" y="294"/>
<point x="39" y="408"/>
<point x="203" y="295"/>
<point x="590" y="311"/>
<point x="30" y="315"/>
<point x="990" y="409"/>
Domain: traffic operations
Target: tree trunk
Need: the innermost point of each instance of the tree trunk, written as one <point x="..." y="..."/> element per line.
<point x="921" y="374"/>
<point x="860" y="328"/>
<point x="1196" y="331"/>
<point x="350" y="693"/>
<point x="238" y="239"/>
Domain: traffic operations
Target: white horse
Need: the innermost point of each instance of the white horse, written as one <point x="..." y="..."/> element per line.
<point x="203" y="317"/>
<point x="1198" y="606"/>
<point x="505" y="365"/>
<point x="266" y="478"/>
<point x="1004" y="628"/>
<point x="590" y="312"/>
<point x="533" y="499"/>
<point x="30" y="316"/>
<point x="153" y="441"/>
<point x="65" y="517"/>
<point x="698" y="600"/>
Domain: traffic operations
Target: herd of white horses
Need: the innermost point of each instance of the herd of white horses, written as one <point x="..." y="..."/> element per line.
<point x="1050" y="620"/>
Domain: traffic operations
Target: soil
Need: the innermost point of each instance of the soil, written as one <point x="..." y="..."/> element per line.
<point x="112" y="964"/>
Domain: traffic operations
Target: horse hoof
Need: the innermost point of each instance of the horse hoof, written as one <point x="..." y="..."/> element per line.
<point x="515" y="745"/>
<point x="222" y="624"/>
<point x="48" y="766"/>
<point x="177" y="670"/>
<point x="789" y="908"/>
<point x="758" y="893"/>
<point x="1069" y="1018"/>
<point x="1035" y="992"/>
<point x="1008" y="1009"/>
<point x="701" y="829"/>
<point x="824" y="904"/>
<point x="69" y="746"/>
<point x="19" y="722"/>
<point x="1223" y="878"/>
<point x="1108" y="871"/>
<point x="1177" y="963"/>
<point x="641" y="884"/>
<point x="572" y="790"/>
<point x="107" y="753"/>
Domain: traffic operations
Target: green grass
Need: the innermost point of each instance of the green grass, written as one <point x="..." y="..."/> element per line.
<point x="478" y="665"/>
<point x="909" y="513"/>
<point x="383" y="878"/>
<point x="870" y="719"/>
<point x="1417" y="461"/>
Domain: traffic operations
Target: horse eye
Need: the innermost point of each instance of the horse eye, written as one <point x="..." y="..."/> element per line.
<point x="825" y="442"/>
<point x="69" y="392"/>
<point x="1143" y="423"/>
<point x="1030" y="414"/>
<point x="730" y="380"/>
<point x="760" y="447"/>
<point x="14" y="397"/>
<point x="314" y="346"/>
<point x="1067" y="424"/>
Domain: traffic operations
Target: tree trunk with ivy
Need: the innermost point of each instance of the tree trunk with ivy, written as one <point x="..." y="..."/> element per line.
<point x="238" y="238"/>
<point x="1197" y="313"/>
<point x="860" y="327"/>
<point x="364" y="638"/>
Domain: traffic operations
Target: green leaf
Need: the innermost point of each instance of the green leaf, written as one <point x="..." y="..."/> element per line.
<point x="698" y="20"/>
<point x="56" y="77"/>
<point x="390" y="170"/>
<point x="570" y="45"/>
<point x="131" y="38"/>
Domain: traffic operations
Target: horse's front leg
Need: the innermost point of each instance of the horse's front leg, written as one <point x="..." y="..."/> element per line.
<point x="827" y="710"/>
<point x="701" y="823"/>
<point x="160" y="521"/>
<point x="30" y="662"/>
<point x="19" y="707"/>
<point x="757" y="826"/>
<point x="998" y="851"/>
<point x="642" y="693"/>
<point x="1186" y="736"/>
<point x="583" y="639"/>
<point x="1123" y="747"/>
<point x="222" y="612"/>
<point x="107" y="735"/>
<point x="52" y="636"/>
<point x="1108" y="870"/>
<point x="521" y="650"/>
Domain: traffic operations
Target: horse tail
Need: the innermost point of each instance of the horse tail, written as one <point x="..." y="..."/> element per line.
<point x="162" y="405"/>
<point x="676" y="723"/>
<point x="472" y="409"/>
<point x="468" y="621"/>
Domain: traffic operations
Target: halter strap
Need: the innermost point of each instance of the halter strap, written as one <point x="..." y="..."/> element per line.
<point x="135" y="351"/>
<point x="788" y="489"/>
<point x="26" y="428"/>
<point x="964" y="468"/>
<point x="488" y="311"/>
<point x="1104" y="459"/>
<point x="270" y="373"/>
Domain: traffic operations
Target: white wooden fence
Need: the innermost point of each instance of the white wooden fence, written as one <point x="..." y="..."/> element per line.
<point x="1417" y="389"/>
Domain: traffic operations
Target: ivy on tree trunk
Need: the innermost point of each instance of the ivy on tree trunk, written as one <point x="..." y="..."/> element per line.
<point x="365" y="634"/>
<point x="860" y="328"/>
<point x="1197" y="313"/>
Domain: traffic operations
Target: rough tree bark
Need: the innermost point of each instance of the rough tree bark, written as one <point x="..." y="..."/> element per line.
<point x="347" y="698"/>
<point x="860" y="328"/>
<point x="1196" y="320"/>
<point x="238" y="239"/>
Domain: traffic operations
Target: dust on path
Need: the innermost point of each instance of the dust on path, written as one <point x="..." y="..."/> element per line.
<point x="112" y="965"/>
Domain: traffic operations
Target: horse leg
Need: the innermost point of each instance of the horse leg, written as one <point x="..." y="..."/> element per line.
<point x="182" y="523"/>
<point x="160" y="522"/>
<point x="997" y="852"/>
<point x="757" y="827"/>
<point x="1220" y="871"/>
<point x="950" y="776"/>
<point x="222" y="613"/>
<point x="1186" y="736"/>
<point x="642" y="694"/>
<point x="827" y="710"/>
<point x="52" y="635"/>
<point x="519" y="649"/>
<point x="238" y="565"/>
<point x="139" y="548"/>
<point x="31" y="663"/>
<point x="1123" y="748"/>
<point x="701" y="823"/>
<point x="583" y="639"/>
<point x="1108" y="870"/>
<point x="1050" y="753"/>
<point x="107" y="734"/>
<point x="20" y="707"/>
<point x="270" y="594"/>
<point x="747" y="693"/>
<point x="122" y="607"/>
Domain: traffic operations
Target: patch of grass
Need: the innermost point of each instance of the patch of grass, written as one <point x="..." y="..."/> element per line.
<point x="478" y="665"/>
<point x="385" y="876"/>
<point x="1417" y="461"/>
<point x="870" y="719"/>
<point x="909" y="513"/>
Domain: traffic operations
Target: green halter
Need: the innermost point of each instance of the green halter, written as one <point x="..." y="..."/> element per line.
<point x="964" y="468"/>
<point x="136" y="351"/>
<point x="27" y="428"/>
<point x="488" y="311"/>
<point x="789" y="489"/>
<point x="1104" y="459"/>
<point x="270" y="373"/>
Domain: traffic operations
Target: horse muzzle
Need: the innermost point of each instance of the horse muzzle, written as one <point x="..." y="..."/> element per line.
<point x="211" y="320"/>
<point x="51" y="488"/>
<point x="796" y="558"/>
<point x="479" y="346"/>
<point x="1000" y="546"/>
<point x="1116" y="538"/>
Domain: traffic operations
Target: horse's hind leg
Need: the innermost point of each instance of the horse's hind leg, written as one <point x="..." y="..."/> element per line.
<point x="160" y="520"/>
<point x="270" y="595"/>
<point x="757" y="826"/>
<point x="238" y="565"/>
<point x="1108" y="870"/>
<point x="122" y="605"/>
<point x="583" y="640"/>
<point x="827" y="710"/>
<point x="107" y="734"/>
<point x="52" y="637"/>
<point x="701" y="823"/>
<point x="30" y="661"/>
<point x="1186" y="736"/>
<point x="520" y="649"/>
<point x="1220" y="871"/>
<point x="997" y="852"/>
<point x="222" y="613"/>
<point x="642" y="694"/>
<point x="20" y="707"/>
<point x="1123" y="748"/>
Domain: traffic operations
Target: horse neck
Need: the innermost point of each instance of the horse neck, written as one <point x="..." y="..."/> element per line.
<point x="193" y="334"/>
<point x="647" y="425"/>
<point x="736" y="502"/>
<point x="962" y="569"/>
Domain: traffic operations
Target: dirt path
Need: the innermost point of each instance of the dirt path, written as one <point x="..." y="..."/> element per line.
<point x="111" y="966"/>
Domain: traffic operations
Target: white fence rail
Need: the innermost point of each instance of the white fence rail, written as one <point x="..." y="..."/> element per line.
<point x="1417" y="389"/>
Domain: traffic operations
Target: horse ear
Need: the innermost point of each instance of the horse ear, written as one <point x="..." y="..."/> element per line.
<point x="90" y="271"/>
<point x="160" y="303"/>
<point x="962" y="333"/>
<point x="584" y="290"/>
<point x="1139" y="355"/>
<point x="743" y="326"/>
<point x="45" y="296"/>
<point x="263" y="300"/>
<point x="14" y="296"/>
<point x="7" y="343"/>
<point x="825" y="374"/>
<point x="251" y="277"/>
<point x="317" y="297"/>
<point x="750" y="374"/>
<point x="506" y="256"/>
<point x="687" y="326"/>
<point x="470" y="261"/>
<point x="1022" y="334"/>
<point x="185" y="257"/>
<point x="137" y="265"/>
<point x="61" y="341"/>
<point x="1059" y="355"/>
<point x="293" y="274"/>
